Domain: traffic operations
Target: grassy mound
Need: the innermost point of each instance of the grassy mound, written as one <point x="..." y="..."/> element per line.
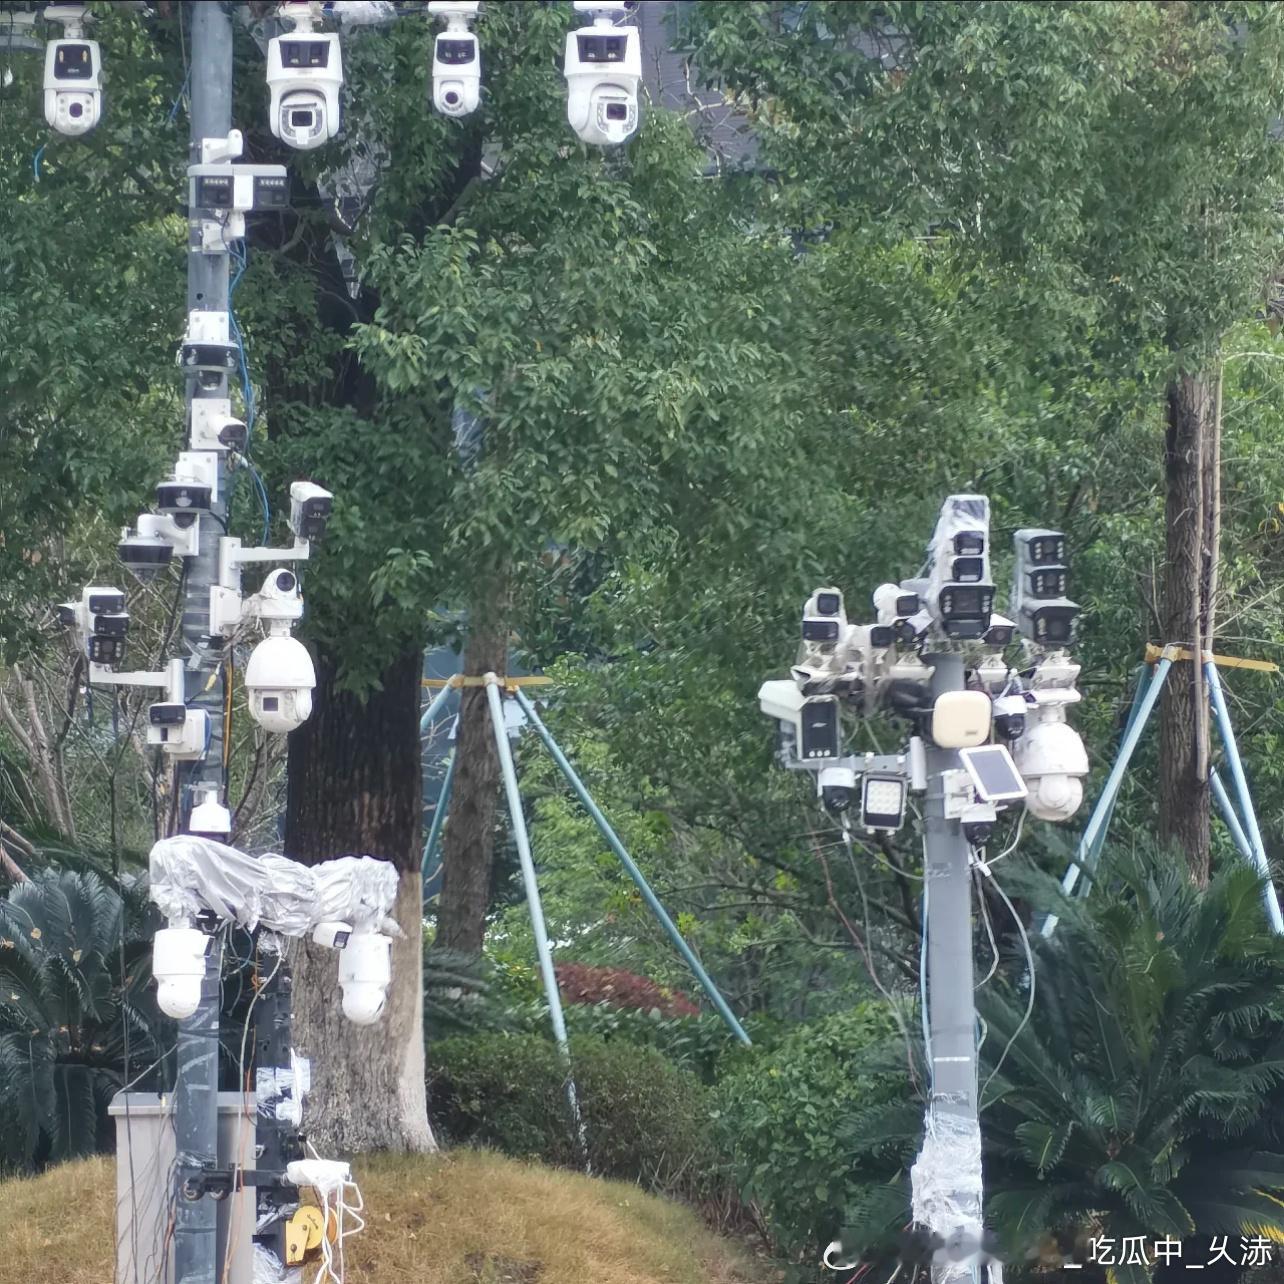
<point x="468" y="1217"/>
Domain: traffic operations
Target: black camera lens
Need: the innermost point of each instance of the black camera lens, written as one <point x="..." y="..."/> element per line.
<point x="301" y="119"/>
<point x="452" y="98"/>
<point x="76" y="110"/>
<point x="820" y="630"/>
<point x="617" y="111"/>
<point x="285" y="582"/>
<point x="828" y="603"/>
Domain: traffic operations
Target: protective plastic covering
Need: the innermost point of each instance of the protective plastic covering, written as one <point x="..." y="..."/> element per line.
<point x="363" y="13"/>
<point x="946" y="1186"/>
<point x="190" y="875"/>
<point x="268" y="1268"/>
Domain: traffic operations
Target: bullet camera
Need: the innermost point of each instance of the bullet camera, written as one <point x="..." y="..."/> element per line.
<point x="814" y="719"/>
<point x="214" y="427"/>
<point x="101" y="623"/>
<point x="1040" y="581"/>
<point x="603" y="68"/>
<point x="310" y="508"/>
<point x="279" y="680"/>
<point x="365" y="973"/>
<point x="333" y="935"/>
<point x="73" y="74"/>
<point x="456" y="59"/>
<point x="837" y="788"/>
<point x="824" y="620"/>
<point x="960" y="595"/>
<point x="178" y="964"/>
<point x="304" y="76"/>
<point x="179" y="731"/>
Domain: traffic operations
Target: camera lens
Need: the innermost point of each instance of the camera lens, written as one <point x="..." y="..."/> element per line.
<point x="285" y="582"/>
<point x="617" y="111"/>
<point x="76" y="111"/>
<point x="828" y="603"/>
<point x="451" y="97"/>
<point x="301" y="119"/>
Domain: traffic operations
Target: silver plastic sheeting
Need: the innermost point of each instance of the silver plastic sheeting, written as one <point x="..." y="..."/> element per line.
<point x="192" y="875"/>
<point x="946" y="1186"/>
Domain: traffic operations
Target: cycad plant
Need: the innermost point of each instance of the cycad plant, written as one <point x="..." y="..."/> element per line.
<point x="1144" y="1095"/>
<point x="73" y="976"/>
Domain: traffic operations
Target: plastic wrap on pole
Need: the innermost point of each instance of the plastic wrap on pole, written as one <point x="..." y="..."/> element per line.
<point x="946" y="1185"/>
<point x="192" y="875"/>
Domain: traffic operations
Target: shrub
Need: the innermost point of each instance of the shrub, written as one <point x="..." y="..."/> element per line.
<point x="647" y="1120"/>
<point x="584" y="984"/>
<point x="778" y="1118"/>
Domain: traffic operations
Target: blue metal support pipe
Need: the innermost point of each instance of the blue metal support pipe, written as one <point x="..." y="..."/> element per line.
<point x="438" y="819"/>
<point x="1089" y="847"/>
<point x="434" y="707"/>
<point x="533" y="903"/>
<point x="1254" y="833"/>
<point x="639" y="879"/>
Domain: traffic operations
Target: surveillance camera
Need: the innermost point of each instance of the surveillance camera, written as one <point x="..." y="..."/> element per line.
<point x="73" y="85"/>
<point x="1000" y="633"/>
<point x="103" y="624"/>
<point x="210" y="819"/>
<point x="333" y="935"/>
<point x="1040" y="581"/>
<point x="978" y="823"/>
<point x="1052" y="760"/>
<point x="814" y="720"/>
<point x="960" y="595"/>
<point x="178" y="964"/>
<point x="1009" y="717"/>
<point x="837" y="788"/>
<point x="214" y="427"/>
<point x="365" y="972"/>
<point x="192" y="490"/>
<point x="180" y="732"/>
<point x="145" y="556"/>
<point x="304" y="76"/>
<point x="603" y="68"/>
<point x="207" y="353"/>
<point x="279" y="680"/>
<point x="280" y="600"/>
<point x="824" y="619"/>
<point x="456" y="59"/>
<point x="310" y="508"/>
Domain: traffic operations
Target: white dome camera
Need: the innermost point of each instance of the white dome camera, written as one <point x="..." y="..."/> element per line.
<point x="304" y="76"/>
<point x="1051" y="758"/>
<point x="178" y="964"/>
<point x="456" y="59"/>
<point x="603" y="68"/>
<point x="365" y="972"/>
<point x="73" y="74"/>
<point x="280" y="599"/>
<point x="279" y="679"/>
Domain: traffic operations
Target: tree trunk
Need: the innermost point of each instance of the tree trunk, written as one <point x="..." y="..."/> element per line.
<point x="468" y="844"/>
<point x="1191" y="498"/>
<point x="354" y="787"/>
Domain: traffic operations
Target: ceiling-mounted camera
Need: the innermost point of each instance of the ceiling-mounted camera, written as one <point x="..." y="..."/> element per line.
<point x="192" y="489"/>
<point x="207" y="354"/>
<point x="456" y="58"/>
<point x="603" y="69"/>
<point x="304" y="76"/>
<point x="73" y="74"/>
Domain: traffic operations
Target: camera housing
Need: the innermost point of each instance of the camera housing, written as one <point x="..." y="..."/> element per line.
<point x="365" y="973"/>
<point x="310" y="509"/>
<point x="456" y="59"/>
<point x="1040" y="580"/>
<point x="837" y="789"/>
<point x="603" y="69"/>
<point x="101" y="622"/>
<point x="304" y="76"/>
<point x="192" y="489"/>
<point x="214" y="427"/>
<point x="181" y="732"/>
<point x="73" y="84"/>
<point x="279" y="680"/>
<point x="178" y="964"/>
<point x="960" y="595"/>
<point x="1052" y="760"/>
<point x="207" y="353"/>
<point x="210" y="819"/>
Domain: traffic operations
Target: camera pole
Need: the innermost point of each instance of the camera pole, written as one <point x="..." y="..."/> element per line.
<point x="949" y="1164"/>
<point x="196" y="1081"/>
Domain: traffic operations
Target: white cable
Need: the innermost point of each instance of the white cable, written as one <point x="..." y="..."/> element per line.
<point x="1029" y="1007"/>
<point x="1012" y="846"/>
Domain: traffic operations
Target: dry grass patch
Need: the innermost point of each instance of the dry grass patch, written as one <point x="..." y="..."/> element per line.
<point x="464" y="1218"/>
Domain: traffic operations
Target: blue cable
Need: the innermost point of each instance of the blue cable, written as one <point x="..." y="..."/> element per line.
<point x="35" y="160"/>
<point x="173" y="111"/>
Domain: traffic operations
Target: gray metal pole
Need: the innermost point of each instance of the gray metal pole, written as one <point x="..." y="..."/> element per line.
<point x="533" y="902"/>
<point x="196" y="1086"/>
<point x="947" y="1176"/>
<point x="639" y="879"/>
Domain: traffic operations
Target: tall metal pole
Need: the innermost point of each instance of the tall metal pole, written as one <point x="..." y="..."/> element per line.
<point x="533" y="903"/>
<point x="947" y="1175"/>
<point x="196" y="1086"/>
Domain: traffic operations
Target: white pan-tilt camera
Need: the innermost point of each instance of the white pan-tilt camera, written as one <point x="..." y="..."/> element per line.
<point x="456" y="59"/>
<point x="304" y="76"/>
<point x="73" y="74"/>
<point x="365" y="972"/>
<point x="603" y="68"/>
<point x="280" y="678"/>
<point x="310" y="508"/>
<point x="178" y="964"/>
